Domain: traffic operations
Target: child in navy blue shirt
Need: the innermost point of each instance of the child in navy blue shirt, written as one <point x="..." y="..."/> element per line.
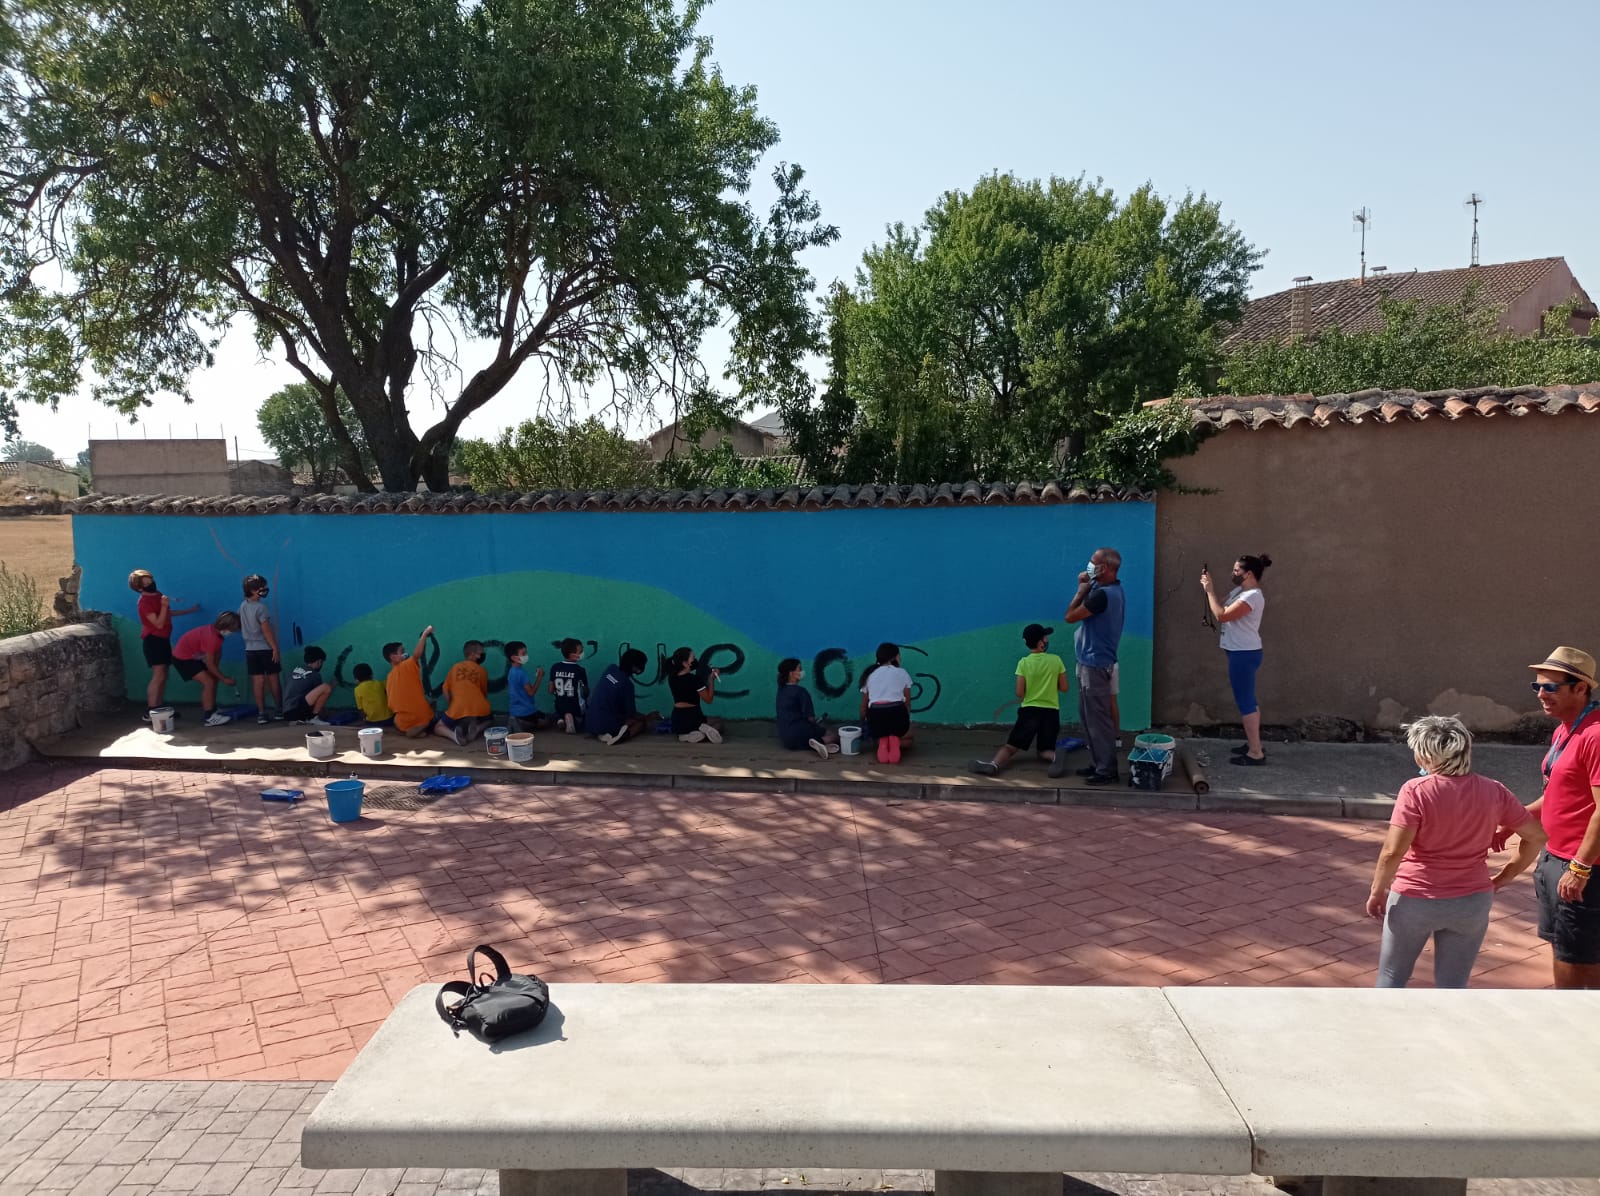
<point x="798" y="725"/>
<point x="570" y="685"/>
<point x="523" y="692"/>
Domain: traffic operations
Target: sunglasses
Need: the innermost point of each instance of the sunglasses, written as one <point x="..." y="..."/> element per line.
<point x="1548" y="687"/>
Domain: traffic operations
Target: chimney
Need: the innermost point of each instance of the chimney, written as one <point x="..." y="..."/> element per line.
<point x="1300" y="308"/>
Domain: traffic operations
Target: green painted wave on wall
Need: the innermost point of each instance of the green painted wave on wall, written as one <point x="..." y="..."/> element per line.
<point x="962" y="679"/>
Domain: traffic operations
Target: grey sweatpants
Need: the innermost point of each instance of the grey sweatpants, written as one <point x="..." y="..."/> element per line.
<point x="1094" y="712"/>
<point x="1456" y="925"/>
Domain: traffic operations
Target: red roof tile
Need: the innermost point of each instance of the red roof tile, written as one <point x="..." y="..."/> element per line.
<point x="1390" y="406"/>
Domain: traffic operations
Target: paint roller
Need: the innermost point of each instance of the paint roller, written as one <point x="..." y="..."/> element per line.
<point x="1192" y="770"/>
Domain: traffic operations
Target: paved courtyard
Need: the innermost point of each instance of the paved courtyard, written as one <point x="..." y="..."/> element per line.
<point x="176" y="926"/>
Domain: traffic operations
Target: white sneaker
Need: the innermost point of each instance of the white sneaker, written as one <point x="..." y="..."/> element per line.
<point x="217" y="719"/>
<point x="693" y="737"/>
<point x="711" y="733"/>
<point x="614" y="739"/>
<point x="818" y="747"/>
<point x="568" y="723"/>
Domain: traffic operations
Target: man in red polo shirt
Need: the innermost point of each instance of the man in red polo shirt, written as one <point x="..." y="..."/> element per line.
<point x="1569" y="900"/>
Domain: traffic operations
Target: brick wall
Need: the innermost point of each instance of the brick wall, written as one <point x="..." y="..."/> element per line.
<point x="50" y="678"/>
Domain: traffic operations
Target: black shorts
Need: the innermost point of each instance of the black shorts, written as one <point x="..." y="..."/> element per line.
<point x="1035" y="724"/>
<point x="1572" y="928"/>
<point x="258" y="662"/>
<point x="157" y="650"/>
<point x="298" y="713"/>
<point x="686" y="719"/>
<point x="189" y="669"/>
<point x="892" y="719"/>
<point x="572" y="706"/>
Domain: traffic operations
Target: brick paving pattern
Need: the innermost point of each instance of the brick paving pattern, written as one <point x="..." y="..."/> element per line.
<point x="173" y="925"/>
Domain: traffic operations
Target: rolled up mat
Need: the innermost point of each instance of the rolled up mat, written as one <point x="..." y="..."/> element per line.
<point x="1192" y="770"/>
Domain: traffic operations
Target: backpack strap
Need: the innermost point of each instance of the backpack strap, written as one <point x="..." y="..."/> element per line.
<point x="455" y="988"/>
<point x="502" y="969"/>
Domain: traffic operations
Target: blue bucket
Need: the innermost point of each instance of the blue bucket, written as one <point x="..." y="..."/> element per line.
<point x="344" y="800"/>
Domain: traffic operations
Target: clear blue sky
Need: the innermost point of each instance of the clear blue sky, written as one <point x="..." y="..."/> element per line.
<point x="1292" y="116"/>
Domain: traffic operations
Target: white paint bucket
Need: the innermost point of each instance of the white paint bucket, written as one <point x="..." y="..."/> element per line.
<point x="519" y="747"/>
<point x="371" y="741"/>
<point x="320" y="744"/>
<point x="163" y="720"/>
<point x="849" y="741"/>
<point x="494" y="742"/>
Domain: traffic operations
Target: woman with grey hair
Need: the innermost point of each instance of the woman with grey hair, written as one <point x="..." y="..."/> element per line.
<point x="1433" y="879"/>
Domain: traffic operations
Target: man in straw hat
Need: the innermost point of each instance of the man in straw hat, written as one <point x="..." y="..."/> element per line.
<point x="1569" y="899"/>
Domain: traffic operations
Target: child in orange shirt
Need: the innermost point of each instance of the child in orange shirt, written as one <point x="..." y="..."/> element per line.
<point x="413" y="711"/>
<point x="467" y="688"/>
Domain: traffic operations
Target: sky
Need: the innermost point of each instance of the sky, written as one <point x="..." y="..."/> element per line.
<point x="1291" y="116"/>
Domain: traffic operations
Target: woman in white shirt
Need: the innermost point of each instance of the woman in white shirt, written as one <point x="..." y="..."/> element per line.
<point x="1239" y="617"/>
<point x="886" y="704"/>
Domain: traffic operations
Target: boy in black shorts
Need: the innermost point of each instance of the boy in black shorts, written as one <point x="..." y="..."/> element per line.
<point x="307" y="692"/>
<point x="1041" y="680"/>
<point x="569" y="683"/>
<point x="261" y="660"/>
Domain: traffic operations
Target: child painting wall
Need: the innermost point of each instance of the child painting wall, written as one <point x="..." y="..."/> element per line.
<point x="745" y="590"/>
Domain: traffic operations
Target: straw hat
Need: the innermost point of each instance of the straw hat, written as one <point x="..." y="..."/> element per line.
<point x="1571" y="661"/>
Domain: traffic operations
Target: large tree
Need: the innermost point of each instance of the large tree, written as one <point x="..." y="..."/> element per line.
<point x="291" y="421"/>
<point x="27" y="450"/>
<point x="364" y="180"/>
<point x="1021" y="319"/>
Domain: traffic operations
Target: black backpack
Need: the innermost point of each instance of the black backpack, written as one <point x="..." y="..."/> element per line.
<point x="492" y="1009"/>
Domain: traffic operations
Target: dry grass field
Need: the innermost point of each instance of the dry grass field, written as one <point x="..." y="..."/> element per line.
<point x="39" y="546"/>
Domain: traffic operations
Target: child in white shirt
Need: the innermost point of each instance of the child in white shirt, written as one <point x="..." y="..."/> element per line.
<point x="886" y="704"/>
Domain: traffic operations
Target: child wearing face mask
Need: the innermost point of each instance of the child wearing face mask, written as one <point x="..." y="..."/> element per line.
<point x="798" y="725"/>
<point x="524" y="693"/>
<point x="307" y="693"/>
<point x="466" y="688"/>
<point x="197" y="657"/>
<point x="408" y="697"/>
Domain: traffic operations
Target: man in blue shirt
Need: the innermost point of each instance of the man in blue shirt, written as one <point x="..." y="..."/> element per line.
<point x="613" y="712"/>
<point x="1097" y="610"/>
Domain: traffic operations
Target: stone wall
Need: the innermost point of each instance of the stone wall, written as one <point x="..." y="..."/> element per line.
<point x="50" y="678"/>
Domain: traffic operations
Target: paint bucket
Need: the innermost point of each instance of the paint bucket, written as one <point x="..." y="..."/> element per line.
<point x="163" y="719"/>
<point x="344" y="799"/>
<point x="371" y="741"/>
<point x="519" y="747"/>
<point x="320" y="744"/>
<point x="849" y="741"/>
<point x="494" y="742"/>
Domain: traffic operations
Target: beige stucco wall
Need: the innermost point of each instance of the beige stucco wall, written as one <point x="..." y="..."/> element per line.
<point x="747" y="441"/>
<point x="1419" y="566"/>
<point x="1525" y="313"/>
<point x="187" y="467"/>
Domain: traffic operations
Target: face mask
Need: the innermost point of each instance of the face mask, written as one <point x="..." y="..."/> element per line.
<point x="1092" y="569"/>
<point x="1238" y="579"/>
<point x="1422" y="772"/>
<point x="523" y="659"/>
<point x="226" y="634"/>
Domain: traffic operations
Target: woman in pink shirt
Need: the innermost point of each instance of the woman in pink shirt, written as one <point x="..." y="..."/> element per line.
<point x="1433" y="879"/>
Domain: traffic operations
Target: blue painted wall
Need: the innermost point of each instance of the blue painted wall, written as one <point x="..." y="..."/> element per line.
<point x="955" y="585"/>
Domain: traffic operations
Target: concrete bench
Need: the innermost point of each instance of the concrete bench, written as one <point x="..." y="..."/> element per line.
<point x="998" y="1089"/>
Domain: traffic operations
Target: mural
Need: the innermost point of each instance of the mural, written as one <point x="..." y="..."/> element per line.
<point x="953" y="586"/>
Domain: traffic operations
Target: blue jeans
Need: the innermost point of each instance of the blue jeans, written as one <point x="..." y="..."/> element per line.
<point x="1242" y="668"/>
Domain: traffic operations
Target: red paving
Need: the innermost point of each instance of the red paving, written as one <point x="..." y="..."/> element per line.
<point x="173" y="925"/>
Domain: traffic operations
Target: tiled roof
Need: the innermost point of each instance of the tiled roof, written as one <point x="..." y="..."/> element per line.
<point x="1391" y="406"/>
<point x="1352" y="306"/>
<point x="799" y="498"/>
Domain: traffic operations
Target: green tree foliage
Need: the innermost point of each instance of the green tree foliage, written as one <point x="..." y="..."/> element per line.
<point x="1020" y="320"/>
<point x="1450" y="346"/>
<point x="721" y="468"/>
<point x="363" y="179"/>
<point x="21" y="609"/>
<point x="27" y="450"/>
<point x="541" y="454"/>
<point x="293" y="425"/>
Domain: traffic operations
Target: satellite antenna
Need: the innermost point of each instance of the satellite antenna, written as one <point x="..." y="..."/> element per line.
<point x="1363" y="220"/>
<point x="1474" y="201"/>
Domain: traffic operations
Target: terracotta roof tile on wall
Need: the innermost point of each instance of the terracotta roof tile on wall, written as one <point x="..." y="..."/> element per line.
<point x="1391" y="406"/>
<point x="795" y="498"/>
<point x="1352" y="306"/>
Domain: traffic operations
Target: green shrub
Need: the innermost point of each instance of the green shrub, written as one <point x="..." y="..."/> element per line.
<point x="21" y="609"/>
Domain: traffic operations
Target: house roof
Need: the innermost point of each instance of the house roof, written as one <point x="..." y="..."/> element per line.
<point x="761" y="427"/>
<point x="1353" y="306"/>
<point x="795" y="498"/>
<point x="771" y="423"/>
<point x="1390" y="406"/>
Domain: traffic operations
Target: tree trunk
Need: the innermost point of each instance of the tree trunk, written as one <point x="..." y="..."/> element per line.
<point x="392" y="446"/>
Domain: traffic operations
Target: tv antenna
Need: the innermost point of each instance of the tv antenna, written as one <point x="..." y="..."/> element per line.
<point x="1474" y="201"/>
<point x="1363" y="220"/>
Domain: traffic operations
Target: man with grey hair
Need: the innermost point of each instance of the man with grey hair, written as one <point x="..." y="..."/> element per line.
<point x="1097" y="611"/>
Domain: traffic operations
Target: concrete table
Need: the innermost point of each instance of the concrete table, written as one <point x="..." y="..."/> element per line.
<point x="1366" y="1086"/>
<point x="1000" y="1089"/>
